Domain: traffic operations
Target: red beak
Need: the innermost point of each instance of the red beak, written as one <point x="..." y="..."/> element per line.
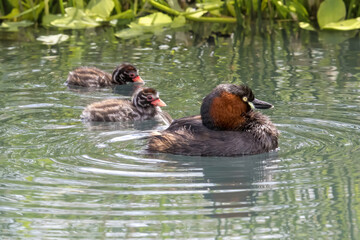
<point x="158" y="103"/>
<point x="138" y="79"/>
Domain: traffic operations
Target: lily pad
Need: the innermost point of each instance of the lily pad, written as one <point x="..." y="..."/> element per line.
<point x="212" y="6"/>
<point x="195" y="13"/>
<point x="14" y="26"/>
<point x="155" y="19"/>
<point x="347" y="25"/>
<point x="331" y="11"/>
<point x="75" y="19"/>
<point x="129" y="33"/>
<point x="306" y="26"/>
<point x="53" y="39"/>
<point x="47" y="19"/>
<point x="153" y="23"/>
<point x="100" y="9"/>
<point x="138" y="33"/>
<point x="179" y="21"/>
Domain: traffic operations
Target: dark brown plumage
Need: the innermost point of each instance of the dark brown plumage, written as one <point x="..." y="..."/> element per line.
<point x="227" y="126"/>
<point x="145" y="104"/>
<point x="94" y="77"/>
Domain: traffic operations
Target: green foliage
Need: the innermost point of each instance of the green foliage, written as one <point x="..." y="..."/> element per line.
<point x="307" y="26"/>
<point x="96" y="12"/>
<point x="14" y="26"/>
<point x="153" y="23"/>
<point x="14" y="12"/>
<point x="75" y="14"/>
<point x="74" y="18"/>
<point x="100" y="9"/>
<point x="346" y="25"/>
<point x="300" y="11"/>
<point x="331" y="11"/>
<point x="331" y="15"/>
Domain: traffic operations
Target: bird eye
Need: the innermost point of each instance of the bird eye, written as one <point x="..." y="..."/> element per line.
<point x="245" y="99"/>
<point x="149" y="98"/>
<point x="132" y="75"/>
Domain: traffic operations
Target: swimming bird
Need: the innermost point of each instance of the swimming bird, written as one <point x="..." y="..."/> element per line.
<point x="228" y="126"/>
<point x="145" y="104"/>
<point x="94" y="77"/>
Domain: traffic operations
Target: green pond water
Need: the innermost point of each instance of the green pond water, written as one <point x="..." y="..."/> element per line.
<point x="61" y="178"/>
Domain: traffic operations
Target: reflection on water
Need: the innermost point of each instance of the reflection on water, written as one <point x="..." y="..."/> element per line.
<point x="63" y="178"/>
<point x="123" y="91"/>
<point x="234" y="193"/>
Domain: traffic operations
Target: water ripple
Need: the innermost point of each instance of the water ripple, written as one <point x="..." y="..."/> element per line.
<point x="141" y="174"/>
<point x="62" y="178"/>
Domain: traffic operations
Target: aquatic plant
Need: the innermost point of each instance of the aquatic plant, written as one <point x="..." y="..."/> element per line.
<point x="151" y="16"/>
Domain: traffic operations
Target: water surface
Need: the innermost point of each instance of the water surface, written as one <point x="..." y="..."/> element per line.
<point x="64" y="179"/>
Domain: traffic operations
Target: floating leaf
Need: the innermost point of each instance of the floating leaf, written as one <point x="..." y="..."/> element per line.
<point x="14" y="26"/>
<point x="47" y="19"/>
<point x="195" y="13"/>
<point x="350" y="24"/>
<point x="213" y="6"/>
<point x="137" y="33"/>
<point x="330" y="11"/>
<point x="74" y="19"/>
<point x="306" y="26"/>
<point x="129" y="33"/>
<point x="210" y="5"/>
<point x="153" y="23"/>
<point x="178" y="22"/>
<point x="154" y="19"/>
<point x="53" y="39"/>
<point x="100" y="8"/>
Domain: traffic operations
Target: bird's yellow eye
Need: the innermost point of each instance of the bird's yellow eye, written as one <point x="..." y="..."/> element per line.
<point x="245" y="99"/>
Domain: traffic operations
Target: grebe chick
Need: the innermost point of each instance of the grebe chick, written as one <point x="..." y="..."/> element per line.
<point x="145" y="104"/>
<point x="94" y="77"/>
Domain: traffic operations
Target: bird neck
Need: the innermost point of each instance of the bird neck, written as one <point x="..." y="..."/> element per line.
<point x="144" y="107"/>
<point x="262" y="128"/>
<point x="118" y="77"/>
